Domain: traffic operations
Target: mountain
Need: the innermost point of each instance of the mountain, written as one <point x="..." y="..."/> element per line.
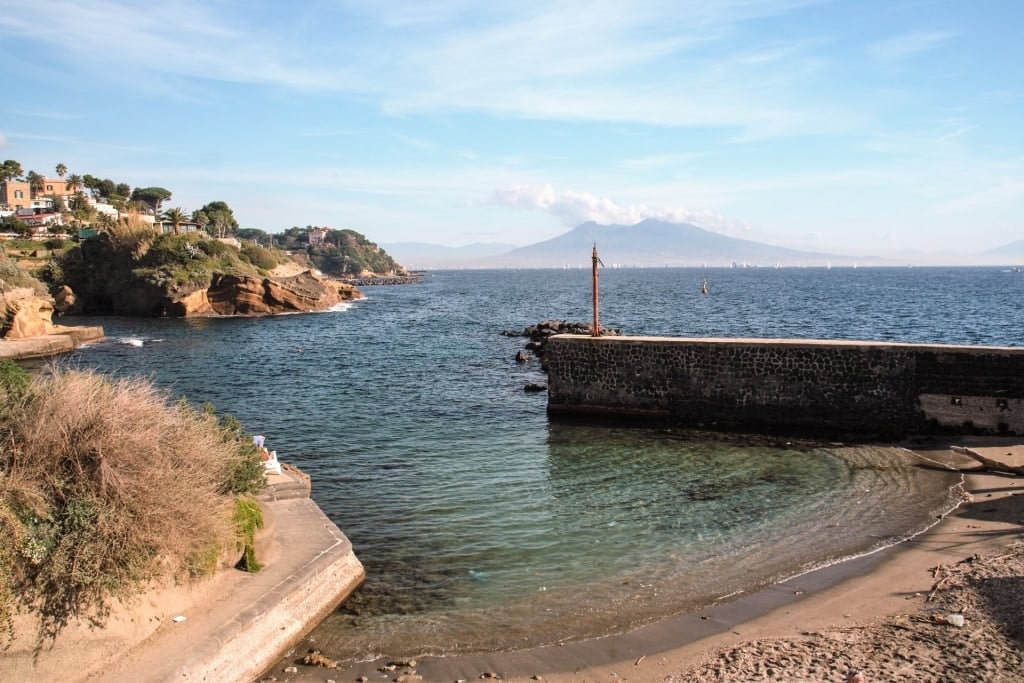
<point x="1014" y="251"/>
<point x="656" y="243"/>
<point x="424" y="256"/>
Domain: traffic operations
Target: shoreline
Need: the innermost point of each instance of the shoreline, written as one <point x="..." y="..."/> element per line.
<point x="857" y="592"/>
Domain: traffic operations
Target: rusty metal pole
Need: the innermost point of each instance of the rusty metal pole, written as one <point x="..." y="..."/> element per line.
<point x="596" y="330"/>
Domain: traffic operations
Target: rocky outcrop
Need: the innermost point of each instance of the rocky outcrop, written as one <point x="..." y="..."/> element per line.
<point x="538" y="335"/>
<point x="26" y="314"/>
<point x="226" y="295"/>
<point x="245" y="295"/>
<point x="27" y="329"/>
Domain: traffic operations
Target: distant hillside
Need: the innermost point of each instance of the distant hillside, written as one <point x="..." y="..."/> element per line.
<point x="423" y="256"/>
<point x="1013" y="251"/>
<point x="656" y="243"/>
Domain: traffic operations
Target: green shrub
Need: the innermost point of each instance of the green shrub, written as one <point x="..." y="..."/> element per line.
<point x="248" y="520"/>
<point x="262" y="258"/>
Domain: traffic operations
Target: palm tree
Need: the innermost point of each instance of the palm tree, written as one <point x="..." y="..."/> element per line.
<point x="35" y="183"/>
<point x="74" y="182"/>
<point x="62" y="170"/>
<point x="175" y="217"/>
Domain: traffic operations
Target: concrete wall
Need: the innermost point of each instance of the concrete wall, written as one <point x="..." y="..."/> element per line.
<point x="790" y="386"/>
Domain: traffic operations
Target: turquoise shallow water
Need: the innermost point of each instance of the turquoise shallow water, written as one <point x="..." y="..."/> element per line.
<point x="485" y="526"/>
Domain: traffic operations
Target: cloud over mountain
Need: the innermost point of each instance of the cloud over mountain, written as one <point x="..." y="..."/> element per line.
<point x="579" y="207"/>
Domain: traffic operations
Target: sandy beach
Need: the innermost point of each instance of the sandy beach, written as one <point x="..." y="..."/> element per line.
<point x="877" y="614"/>
<point x="887" y="614"/>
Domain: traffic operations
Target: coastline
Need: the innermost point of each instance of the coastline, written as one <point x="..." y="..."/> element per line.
<point x="143" y="642"/>
<point x="858" y="593"/>
<point x="61" y="340"/>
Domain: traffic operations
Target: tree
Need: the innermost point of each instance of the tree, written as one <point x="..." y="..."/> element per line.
<point x="153" y="197"/>
<point x="10" y="170"/>
<point x="14" y="224"/>
<point x="175" y="217"/>
<point x="92" y="183"/>
<point x="105" y="189"/>
<point x="75" y="182"/>
<point x="62" y="170"/>
<point x="222" y="218"/>
<point x="35" y="182"/>
<point x="254" y="234"/>
<point x="123" y="190"/>
<point x="200" y="218"/>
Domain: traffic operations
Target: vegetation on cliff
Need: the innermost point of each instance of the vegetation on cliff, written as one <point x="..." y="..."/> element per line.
<point x="134" y="270"/>
<point x="342" y="253"/>
<point x="107" y="485"/>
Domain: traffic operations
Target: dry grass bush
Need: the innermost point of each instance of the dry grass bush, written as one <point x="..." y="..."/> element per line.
<point x="132" y="232"/>
<point x="105" y="485"/>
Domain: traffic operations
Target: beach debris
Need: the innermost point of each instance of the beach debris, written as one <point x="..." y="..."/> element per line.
<point x="314" y="658"/>
<point x="386" y="668"/>
<point x="987" y="464"/>
<point x="178" y="619"/>
<point x="291" y="669"/>
<point x="640" y="659"/>
<point x="955" y="620"/>
<point x="362" y="679"/>
<point x="856" y="676"/>
<point x="490" y="674"/>
<point x="407" y="663"/>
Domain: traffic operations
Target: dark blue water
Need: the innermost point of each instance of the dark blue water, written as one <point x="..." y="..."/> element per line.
<point x="484" y="526"/>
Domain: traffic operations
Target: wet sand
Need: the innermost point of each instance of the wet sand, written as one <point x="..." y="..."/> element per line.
<point x="782" y="632"/>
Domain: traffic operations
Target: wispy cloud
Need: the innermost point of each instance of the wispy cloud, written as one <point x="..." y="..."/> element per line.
<point x="653" y="61"/>
<point x="3" y="140"/>
<point x="908" y="45"/>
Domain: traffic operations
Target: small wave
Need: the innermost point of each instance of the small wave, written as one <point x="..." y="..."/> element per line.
<point x="131" y="341"/>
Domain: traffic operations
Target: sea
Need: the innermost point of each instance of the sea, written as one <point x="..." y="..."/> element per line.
<point x="483" y="524"/>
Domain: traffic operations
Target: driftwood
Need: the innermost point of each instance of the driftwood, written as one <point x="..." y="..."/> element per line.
<point x="987" y="464"/>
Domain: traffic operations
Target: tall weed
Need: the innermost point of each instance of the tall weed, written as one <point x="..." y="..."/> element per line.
<point x="106" y="485"/>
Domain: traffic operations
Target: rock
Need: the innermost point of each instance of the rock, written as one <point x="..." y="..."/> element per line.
<point x="314" y="658"/>
<point x="538" y="334"/>
<point x="291" y="669"/>
<point x="246" y="295"/>
<point x="408" y="663"/>
<point x="27" y="317"/>
<point x="521" y="357"/>
<point x="534" y="388"/>
<point x="66" y="302"/>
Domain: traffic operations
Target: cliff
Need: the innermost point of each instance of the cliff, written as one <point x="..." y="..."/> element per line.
<point x="182" y="276"/>
<point x="26" y="324"/>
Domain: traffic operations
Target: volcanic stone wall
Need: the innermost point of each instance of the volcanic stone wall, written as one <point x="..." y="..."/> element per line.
<point x="865" y="389"/>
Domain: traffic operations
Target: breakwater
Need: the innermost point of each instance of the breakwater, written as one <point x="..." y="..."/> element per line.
<point x="841" y="388"/>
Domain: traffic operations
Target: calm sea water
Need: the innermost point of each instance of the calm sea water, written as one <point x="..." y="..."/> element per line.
<point x="483" y="525"/>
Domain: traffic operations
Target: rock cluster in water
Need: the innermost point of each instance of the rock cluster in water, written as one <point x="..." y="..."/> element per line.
<point x="538" y="335"/>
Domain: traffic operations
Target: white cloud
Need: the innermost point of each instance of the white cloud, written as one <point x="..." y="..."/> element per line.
<point x="3" y="140"/>
<point x="579" y="207"/>
<point x="901" y="47"/>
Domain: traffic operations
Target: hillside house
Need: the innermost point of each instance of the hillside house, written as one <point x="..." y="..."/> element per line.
<point x="317" y="236"/>
<point x="167" y="227"/>
<point x="15" y="194"/>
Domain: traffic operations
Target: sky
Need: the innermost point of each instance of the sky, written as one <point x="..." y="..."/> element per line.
<point x="847" y="127"/>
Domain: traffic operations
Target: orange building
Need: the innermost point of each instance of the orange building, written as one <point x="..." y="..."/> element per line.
<point x="15" y="194"/>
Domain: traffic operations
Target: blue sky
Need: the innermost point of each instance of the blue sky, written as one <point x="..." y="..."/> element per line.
<point x="852" y="127"/>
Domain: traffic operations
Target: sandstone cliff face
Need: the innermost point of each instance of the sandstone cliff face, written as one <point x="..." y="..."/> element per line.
<point x="246" y="295"/>
<point x="25" y="314"/>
